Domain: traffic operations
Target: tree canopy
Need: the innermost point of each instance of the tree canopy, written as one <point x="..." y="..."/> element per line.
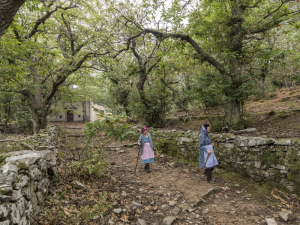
<point x="150" y="56"/>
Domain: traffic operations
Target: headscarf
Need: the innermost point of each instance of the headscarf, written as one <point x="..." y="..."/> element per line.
<point x="203" y="137"/>
<point x="144" y="129"/>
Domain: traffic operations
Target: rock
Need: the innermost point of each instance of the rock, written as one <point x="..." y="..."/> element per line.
<point x="172" y="203"/>
<point x="141" y="222"/>
<point x="185" y="207"/>
<point x="164" y="207"/>
<point x="4" y="211"/>
<point x="6" y="222"/>
<point x="256" y="141"/>
<point x="209" y="192"/>
<point x="171" y="164"/>
<point x="246" y="131"/>
<point x="96" y="218"/>
<point x="270" y="221"/>
<point x="5" y="185"/>
<point x="286" y="215"/>
<point x="176" y="211"/>
<point x="205" y="211"/>
<point x="110" y="222"/>
<point x="23" y="181"/>
<point x="135" y="205"/>
<point x="117" y="211"/>
<point x="79" y="185"/>
<point x="225" y="188"/>
<point x="169" y="220"/>
<point x="121" y="151"/>
<point x="9" y="167"/>
<point x="283" y="142"/>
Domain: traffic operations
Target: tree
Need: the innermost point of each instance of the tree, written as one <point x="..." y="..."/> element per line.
<point x="222" y="33"/>
<point x="48" y="47"/>
<point x="8" y="9"/>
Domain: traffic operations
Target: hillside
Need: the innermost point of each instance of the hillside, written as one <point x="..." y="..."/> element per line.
<point x="278" y="116"/>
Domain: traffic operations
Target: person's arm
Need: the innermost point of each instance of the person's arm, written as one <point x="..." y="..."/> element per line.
<point x="206" y="150"/>
<point x="139" y="142"/>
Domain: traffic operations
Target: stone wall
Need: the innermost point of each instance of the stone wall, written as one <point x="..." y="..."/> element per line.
<point x="266" y="159"/>
<point x="26" y="176"/>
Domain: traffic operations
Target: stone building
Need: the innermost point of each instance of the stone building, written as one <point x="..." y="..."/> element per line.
<point x="79" y="112"/>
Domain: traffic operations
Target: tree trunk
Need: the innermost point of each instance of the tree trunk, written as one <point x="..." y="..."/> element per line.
<point x="233" y="114"/>
<point x="264" y="72"/>
<point x="140" y="87"/>
<point x="8" y="9"/>
<point x="39" y="119"/>
<point x="234" y="93"/>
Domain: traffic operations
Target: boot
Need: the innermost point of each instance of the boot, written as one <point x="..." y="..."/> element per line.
<point x="148" y="168"/>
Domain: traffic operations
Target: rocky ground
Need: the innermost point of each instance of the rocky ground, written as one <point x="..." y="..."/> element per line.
<point x="173" y="193"/>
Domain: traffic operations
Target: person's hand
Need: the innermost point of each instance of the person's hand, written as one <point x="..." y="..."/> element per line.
<point x="139" y="144"/>
<point x="213" y="144"/>
<point x="208" y="151"/>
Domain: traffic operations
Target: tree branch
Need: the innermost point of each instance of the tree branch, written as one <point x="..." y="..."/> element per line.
<point x="198" y="49"/>
<point x="44" y="18"/>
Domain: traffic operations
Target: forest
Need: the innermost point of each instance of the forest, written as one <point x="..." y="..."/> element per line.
<point x="169" y="65"/>
<point x="146" y="59"/>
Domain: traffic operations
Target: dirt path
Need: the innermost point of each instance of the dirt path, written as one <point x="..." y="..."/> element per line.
<point x="179" y="192"/>
<point x="172" y="193"/>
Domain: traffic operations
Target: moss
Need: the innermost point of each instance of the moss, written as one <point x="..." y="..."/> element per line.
<point x="22" y="166"/>
<point x="268" y="158"/>
<point x="2" y="159"/>
<point x="290" y="177"/>
<point x="2" y="192"/>
<point x="167" y="146"/>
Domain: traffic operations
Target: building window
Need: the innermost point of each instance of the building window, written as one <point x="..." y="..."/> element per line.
<point x="78" y="116"/>
<point x="60" y="116"/>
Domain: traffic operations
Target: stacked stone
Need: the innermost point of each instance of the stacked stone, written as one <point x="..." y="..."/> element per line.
<point x="25" y="179"/>
<point x="261" y="158"/>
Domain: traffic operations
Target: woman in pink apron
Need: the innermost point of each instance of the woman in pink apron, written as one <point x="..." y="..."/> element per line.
<point x="146" y="148"/>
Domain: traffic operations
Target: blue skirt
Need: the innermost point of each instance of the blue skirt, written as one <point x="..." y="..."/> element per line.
<point x="148" y="160"/>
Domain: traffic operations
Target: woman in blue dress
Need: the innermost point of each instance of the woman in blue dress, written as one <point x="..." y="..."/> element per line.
<point x="206" y="149"/>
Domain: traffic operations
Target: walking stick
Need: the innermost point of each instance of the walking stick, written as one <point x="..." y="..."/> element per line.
<point x="137" y="160"/>
<point x="202" y="171"/>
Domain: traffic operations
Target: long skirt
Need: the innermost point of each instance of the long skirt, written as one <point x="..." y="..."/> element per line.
<point x="212" y="160"/>
<point x="148" y="153"/>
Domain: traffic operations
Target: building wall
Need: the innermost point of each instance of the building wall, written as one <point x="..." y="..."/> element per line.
<point x="94" y="113"/>
<point x="80" y="115"/>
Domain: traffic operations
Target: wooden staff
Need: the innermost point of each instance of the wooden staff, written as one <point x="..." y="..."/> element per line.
<point x="137" y="159"/>
<point x="202" y="171"/>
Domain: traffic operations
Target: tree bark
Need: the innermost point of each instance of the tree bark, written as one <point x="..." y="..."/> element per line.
<point x="8" y="9"/>
<point x="233" y="114"/>
<point x="263" y="75"/>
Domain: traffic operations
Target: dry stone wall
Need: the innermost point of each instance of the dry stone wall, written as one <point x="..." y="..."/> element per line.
<point x="26" y="176"/>
<point x="261" y="158"/>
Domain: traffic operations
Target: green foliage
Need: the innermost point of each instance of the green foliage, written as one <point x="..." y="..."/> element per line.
<point x="91" y="158"/>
